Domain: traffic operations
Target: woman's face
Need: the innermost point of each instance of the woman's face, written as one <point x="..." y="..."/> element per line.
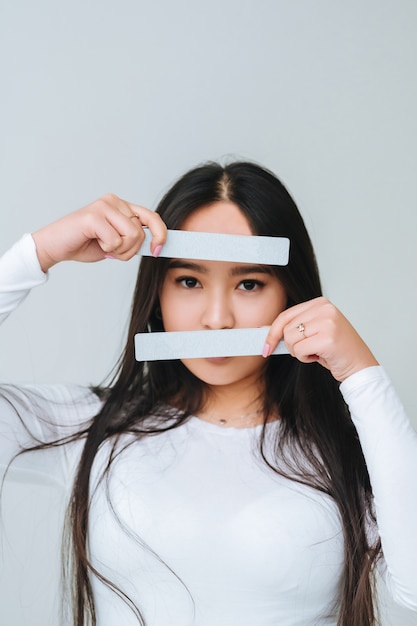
<point x="209" y="295"/>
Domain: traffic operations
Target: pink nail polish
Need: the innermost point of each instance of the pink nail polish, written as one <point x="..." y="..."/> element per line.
<point x="266" y="350"/>
<point x="157" y="251"/>
<point x="109" y="256"/>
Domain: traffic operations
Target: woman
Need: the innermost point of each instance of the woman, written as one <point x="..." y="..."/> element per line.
<point x="223" y="491"/>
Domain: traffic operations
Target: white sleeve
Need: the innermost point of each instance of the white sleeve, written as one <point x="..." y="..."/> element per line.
<point x="389" y="444"/>
<point x="19" y="273"/>
<point x="39" y="413"/>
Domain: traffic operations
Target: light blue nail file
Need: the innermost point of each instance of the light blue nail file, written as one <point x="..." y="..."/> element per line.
<point x="184" y="244"/>
<point x="212" y="343"/>
<point x="202" y="344"/>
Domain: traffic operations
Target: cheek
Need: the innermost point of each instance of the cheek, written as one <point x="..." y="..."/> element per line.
<point x="263" y="311"/>
<point x="280" y="303"/>
<point x="280" y="300"/>
<point x="177" y="313"/>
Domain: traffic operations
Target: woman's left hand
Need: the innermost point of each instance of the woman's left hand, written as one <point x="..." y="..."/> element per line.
<point x="316" y="331"/>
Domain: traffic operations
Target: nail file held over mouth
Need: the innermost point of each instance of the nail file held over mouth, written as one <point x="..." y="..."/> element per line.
<point x="185" y="244"/>
<point x="161" y="346"/>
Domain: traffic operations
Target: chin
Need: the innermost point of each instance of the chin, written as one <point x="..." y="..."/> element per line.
<point x="224" y="371"/>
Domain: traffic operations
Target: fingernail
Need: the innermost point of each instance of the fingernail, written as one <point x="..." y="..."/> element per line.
<point x="109" y="256"/>
<point x="157" y="251"/>
<point x="266" y="350"/>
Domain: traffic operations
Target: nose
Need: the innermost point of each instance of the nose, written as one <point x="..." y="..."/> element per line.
<point x="218" y="312"/>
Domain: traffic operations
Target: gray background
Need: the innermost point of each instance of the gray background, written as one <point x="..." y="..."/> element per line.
<point x="124" y="96"/>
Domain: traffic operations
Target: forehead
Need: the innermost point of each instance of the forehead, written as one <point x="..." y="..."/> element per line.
<point x="218" y="217"/>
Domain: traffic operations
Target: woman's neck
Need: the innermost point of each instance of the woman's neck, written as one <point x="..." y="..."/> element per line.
<point x="238" y="408"/>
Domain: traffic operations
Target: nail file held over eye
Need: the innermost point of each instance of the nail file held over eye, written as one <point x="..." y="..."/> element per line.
<point x="161" y="346"/>
<point x="185" y="244"/>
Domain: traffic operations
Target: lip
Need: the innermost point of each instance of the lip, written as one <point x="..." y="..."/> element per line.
<point x="217" y="359"/>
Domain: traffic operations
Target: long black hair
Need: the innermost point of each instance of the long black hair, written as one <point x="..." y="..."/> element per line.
<point x="318" y="444"/>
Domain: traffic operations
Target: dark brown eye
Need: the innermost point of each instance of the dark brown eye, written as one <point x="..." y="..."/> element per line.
<point x="250" y="285"/>
<point x="188" y="282"/>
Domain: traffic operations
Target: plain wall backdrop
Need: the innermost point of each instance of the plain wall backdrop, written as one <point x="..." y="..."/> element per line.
<point x="125" y="96"/>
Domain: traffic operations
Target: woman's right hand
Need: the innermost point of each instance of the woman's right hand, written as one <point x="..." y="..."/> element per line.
<point x="107" y="228"/>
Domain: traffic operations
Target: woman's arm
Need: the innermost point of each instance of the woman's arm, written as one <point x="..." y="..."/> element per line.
<point x="316" y="331"/>
<point x="19" y="273"/>
<point x="34" y="414"/>
<point x="389" y="444"/>
<point x="108" y="227"/>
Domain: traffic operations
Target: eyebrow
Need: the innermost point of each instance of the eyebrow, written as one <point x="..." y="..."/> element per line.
<point x="238" y="270"/>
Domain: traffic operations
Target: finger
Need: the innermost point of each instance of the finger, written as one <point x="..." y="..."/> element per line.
<point x="108" y="235"/>
<point x="139" y="216"/>
<point x="125" y="236"/>
<point x="297" y="330"/>
<point x="112" y="201"/>
<point x="274" y="336"/>
<point x="299" y="311"/>
<point x="155" y="224"/>
<point x="131" y="234"/>
<point x="308" y="349"/>
<point x="290" y="319"/>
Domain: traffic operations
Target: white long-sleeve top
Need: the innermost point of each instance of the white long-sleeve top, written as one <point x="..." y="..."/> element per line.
<point x="193" y="526"/>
